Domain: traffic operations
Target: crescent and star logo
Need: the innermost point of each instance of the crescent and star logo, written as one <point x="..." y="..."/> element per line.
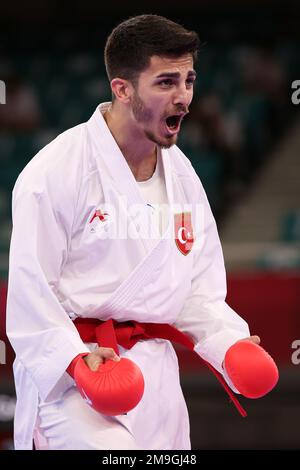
<point x="184" y="237"/>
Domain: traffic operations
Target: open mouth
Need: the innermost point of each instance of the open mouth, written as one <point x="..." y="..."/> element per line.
<point x="173" y="123"/>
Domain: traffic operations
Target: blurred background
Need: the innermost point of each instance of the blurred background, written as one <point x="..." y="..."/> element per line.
<point x="243" y="138"/>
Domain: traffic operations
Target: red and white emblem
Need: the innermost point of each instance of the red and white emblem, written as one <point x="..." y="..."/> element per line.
<point x="98" y="214"/>
<point x="184" y="237"/>
<point x="99" y="219"/>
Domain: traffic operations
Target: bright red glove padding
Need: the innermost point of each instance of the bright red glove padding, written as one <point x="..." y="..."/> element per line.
<point x="114" y="389"/>
<point x="251" y="369"/>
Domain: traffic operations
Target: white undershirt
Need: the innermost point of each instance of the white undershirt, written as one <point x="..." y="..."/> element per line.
<point x="154" y="193"/>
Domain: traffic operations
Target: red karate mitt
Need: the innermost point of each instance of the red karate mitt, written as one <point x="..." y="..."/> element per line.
<point x="251" y="369"/>
<point x="113" y="389"/>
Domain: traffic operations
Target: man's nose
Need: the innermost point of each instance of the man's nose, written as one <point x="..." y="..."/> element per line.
<point x="182" y="96"/>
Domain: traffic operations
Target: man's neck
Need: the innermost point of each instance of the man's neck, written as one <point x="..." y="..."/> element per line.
<point x="139" y="152"/>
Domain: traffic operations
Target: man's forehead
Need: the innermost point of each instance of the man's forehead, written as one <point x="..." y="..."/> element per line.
<point x="159" y="64"/>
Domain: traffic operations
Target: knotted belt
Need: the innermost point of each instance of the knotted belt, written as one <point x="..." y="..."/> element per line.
<point x="110" y="333"/>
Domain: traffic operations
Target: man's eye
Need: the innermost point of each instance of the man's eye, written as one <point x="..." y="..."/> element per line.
<point x="190" y="81"/>
<point x="166" y="82"/>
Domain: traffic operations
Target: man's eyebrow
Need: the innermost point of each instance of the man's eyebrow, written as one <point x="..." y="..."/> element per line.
<point x="191" y="73"/>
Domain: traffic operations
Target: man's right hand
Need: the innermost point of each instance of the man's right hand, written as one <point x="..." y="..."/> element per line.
<point x="99" y="356"/>
<point x="112" y="389"/>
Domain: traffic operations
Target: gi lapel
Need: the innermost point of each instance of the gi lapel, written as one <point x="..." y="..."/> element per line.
<point x="121" y="174"/>
<point x="157" y="251"/>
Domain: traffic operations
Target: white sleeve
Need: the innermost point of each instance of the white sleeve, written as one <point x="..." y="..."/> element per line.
<point x="43" y="336"/>
<point x="206" y="317"/>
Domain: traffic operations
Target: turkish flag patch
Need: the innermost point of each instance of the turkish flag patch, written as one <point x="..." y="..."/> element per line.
<point x="184" y="237"/>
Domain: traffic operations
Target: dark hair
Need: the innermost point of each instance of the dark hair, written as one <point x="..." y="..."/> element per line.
<point x="131" y="44"/>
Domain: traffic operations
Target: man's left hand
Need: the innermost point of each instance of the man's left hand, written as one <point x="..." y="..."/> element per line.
<point x="254" y="339"/>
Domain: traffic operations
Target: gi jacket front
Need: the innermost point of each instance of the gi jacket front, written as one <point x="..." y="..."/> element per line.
<point x="84" y="244"/>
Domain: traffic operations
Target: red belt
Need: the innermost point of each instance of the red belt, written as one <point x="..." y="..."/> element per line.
<point x="110" y="333"/>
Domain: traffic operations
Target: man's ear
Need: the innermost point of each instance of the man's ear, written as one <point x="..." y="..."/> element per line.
<point x="122" y="89"/>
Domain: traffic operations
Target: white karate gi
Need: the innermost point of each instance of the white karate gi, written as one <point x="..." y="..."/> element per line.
<point x="66" y="264"/>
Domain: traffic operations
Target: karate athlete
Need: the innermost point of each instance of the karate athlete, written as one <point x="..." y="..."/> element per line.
<point x="110" y="221"/>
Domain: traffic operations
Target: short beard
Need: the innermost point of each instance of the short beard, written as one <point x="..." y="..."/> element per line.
<point x="140" y="111"/>
<point x="142" y="114"/>
<point x="154" y="139"/>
